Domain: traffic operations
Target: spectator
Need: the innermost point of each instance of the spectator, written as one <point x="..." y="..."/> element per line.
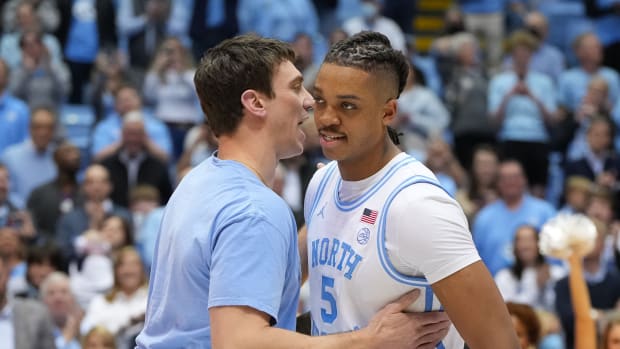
<point x="546" y="59"/>
<point x="31" y="163"/>
<point x="526" y="324"/>
<point x="25" y="323"/>
<point x="576" y="194"/>
<point x="26" y="21"/>
<point x="67" y="315"/>
<point x="40" y="81"/>
<point x="98" y="338"/>
<point x="86" y="28"/>
<point x="106" y="138"/>
<point x="126" y="302"/>
<point x="7" y="208"/>
<point x="304" y="58"/>
<point x="12" y="252"/>
<point x="14" y="114"/>
<point x="169" y="87"/>
<point x="211" y="22"/>
<point x="466" y="100"/>
<point x="522" y="107"/>
<point x="611" y="333"/>
<point x="444" y="165"/>
<point x="606" y="17"/>
<point x="495" y="226"/>
<point x="143" y="199"/>
<point x="133" y="164"/>
<point x="200" y="143"/>
<point x="41" y="261"/>
<point x="482" y="177"/>
<point x="60" y="195"/>
<point x="46" y="13"/>
<point x="530" y="280"/>
<point x="371" y="19"/>
<point x="109" y="75"/>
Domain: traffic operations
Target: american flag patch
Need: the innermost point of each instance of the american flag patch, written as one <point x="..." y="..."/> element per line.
<point x="369" y="216"/>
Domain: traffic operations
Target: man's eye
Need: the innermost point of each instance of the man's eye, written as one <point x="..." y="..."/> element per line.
<point x="348" y="106"/>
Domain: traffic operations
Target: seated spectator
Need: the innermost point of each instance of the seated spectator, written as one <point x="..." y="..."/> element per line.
<point x="530" y="280"/>
<point x="372" y="19"/>
<point x="12" y="252"/>
<point x="29" y="325"/>
<point x="31" y="163"/>
<point x="115" y="234"/>
<point x="26" y="21"/>
<point x="67" y="315"/>
<point x="200" y="143"/>
<point x="576" y="194"/>
<point x="46" y="12"/>
<point x="60" y="195"/>
<point x="169" y="87"/>
<point x="482" y="177"/>
<point x="445" y="166"/>
<point x="106" y="138"/>
<point x="143" y="199"/>
<point x="40" y="81"/>
<point x="526" y="324"/>
<point x="14" y="113"/>
<point x="99" y="338"/>
<point x="90" y="214"/>
<point x="125" y="304"/>
<point x="41" y="261"/>
<point x="110" y="73"/>
<point x="133" y="164"/>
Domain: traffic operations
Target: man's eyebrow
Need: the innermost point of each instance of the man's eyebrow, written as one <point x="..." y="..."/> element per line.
<point x="297" y="80"/>
<point x="347" y="97"/>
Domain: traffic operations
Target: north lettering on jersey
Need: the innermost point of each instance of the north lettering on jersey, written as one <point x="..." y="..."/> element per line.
<point x="336" y="254"/>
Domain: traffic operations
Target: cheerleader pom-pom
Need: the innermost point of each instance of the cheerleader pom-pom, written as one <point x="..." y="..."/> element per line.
<point x="567" y="234"/>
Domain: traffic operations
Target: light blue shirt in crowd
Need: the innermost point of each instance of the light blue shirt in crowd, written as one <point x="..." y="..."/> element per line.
<point x="226" y="240"/>
<point x="482" y="6"/>
<point x="61" y="343"/>
<point x="547" y="60"/>
<point x="280" y="19"/>
<point x="28" y="169"/>
<point x="495" y="226"/>
<point x="573" y="85"/>
<point x="14" y="121"/>
<point x="7" y="332"/>
<point x="12" y="53"/>
<point x="83" y="38"/>
<point x="523" y="120"/>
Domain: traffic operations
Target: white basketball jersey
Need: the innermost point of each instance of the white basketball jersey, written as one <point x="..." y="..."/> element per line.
<point x="351" y="276"/>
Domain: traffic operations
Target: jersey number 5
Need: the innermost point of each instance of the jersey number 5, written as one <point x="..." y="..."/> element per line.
<point x="327" y="286"/>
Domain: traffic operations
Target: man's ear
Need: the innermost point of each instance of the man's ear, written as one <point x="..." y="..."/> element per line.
<point x="390" y="110"/>
<point x="252" y="101"/>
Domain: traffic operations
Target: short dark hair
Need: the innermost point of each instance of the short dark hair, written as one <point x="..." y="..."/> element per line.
<point x="232" y="67"/>
<point x="371" y="52"/>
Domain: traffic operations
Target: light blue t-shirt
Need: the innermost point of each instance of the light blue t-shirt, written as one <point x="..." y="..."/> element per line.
<point x="523" y="120"/>
<point x="83" y="38"/>
<point x="573" y="85"/>
<point x="495" y="226"/>
<point x="226" y="240"/>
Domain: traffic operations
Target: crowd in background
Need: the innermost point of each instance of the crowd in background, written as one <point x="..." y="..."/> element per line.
<point x="514" y="107"/>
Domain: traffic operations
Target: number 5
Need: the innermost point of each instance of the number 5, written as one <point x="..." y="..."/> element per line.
<point x="327" y="296"/>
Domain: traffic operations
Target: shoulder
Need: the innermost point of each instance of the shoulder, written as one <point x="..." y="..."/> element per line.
<point x="29" y="307"/>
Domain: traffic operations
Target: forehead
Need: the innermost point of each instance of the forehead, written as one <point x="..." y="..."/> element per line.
<point x="340" y="79"/>
<point x="284" y="73"/>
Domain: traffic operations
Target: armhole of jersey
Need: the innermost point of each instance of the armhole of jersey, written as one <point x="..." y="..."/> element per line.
<point x="346" y="206"/>
<point x="320" y="189"/>
<point x="387" y="265"/>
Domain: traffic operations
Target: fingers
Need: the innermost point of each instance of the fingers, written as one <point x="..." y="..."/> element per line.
<point x="431" y="339"/>
<point x="429" y="318"/>
<point x="405" y="300"/>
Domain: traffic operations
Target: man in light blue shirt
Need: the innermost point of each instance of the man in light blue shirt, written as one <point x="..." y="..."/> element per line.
<point x="31" y="162"/>
<point x="495" y="225"/>
<point x="14" y="114"/>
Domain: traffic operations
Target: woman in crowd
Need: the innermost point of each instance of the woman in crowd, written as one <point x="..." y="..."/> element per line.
<point x="526" y="324"/>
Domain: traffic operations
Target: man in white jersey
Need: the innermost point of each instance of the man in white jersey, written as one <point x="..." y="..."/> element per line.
<point x="379" y="224"/>
<point x="226" y="268"/>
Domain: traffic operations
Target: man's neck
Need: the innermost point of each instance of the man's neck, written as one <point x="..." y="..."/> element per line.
<point x="590" y="68"/>
<point x="356" y="170"/>
<point x="258" y="160"/>
<point x="514" y="202"/>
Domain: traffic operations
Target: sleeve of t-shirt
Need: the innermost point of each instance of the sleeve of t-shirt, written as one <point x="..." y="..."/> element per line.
<point x="248" y="265"/>
<point x="427" y="233"/>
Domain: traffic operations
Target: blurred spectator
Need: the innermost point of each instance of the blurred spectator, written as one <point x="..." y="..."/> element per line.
<point x="280" y="20"/>
<point x="99" y="338"/>
<point x="67" y="315"/>
<point x="522" y="107"/>
<point x="442" y="48"/>
<point x="109" y="75"/>
<point x="304" y="58"/>
<point x="14" y="114"/>
<point x="371" y="19"/>
<point x="546" y="59"/>
<point x="7" y="208"/>
<point x="27" y="21"/>
<point x="86" y="28"/>
<point x="336" y="35"/>
<point x="91" y="213"/>
<point x="125" y="304"/>
<point x="169" y="87"/>
<point x="143" y="25"/>
<point x="133" y="164"/>
<point x="576" y="194"/>
<point x="31" y="162"/>
<point x="530" y="280"/>
<point x="60" y="195"/>
<point x="211" y="22"/>
<point x="46" y="12"/>
<point x="143" y="199"/>
<point x="421" y="117"/>
<point x="526" y="324"/>
<point x="573" y="83"/>
<point x="606" y="17"/>
<point x="25" y="324"/>
<point x="41" y="261"/>
<point x="115" y="233"/>
<point x="466" y="100"/>
<point x="40" y="81"/>
<point x="200" y="143"/>
<point x="12" y="253"/>
<point x="445" y="166"/>
<point x="600" y="205"/>
<point x="106" y="138"/>
<point x="551" y="331"/>
<point x="495" y="225"/>
<point x="610" y="338"/>
<point x="482" y="177"/>
<point x="603" y="283"/>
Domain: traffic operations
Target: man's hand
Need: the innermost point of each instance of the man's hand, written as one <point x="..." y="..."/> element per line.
<point x="391" y="327"/>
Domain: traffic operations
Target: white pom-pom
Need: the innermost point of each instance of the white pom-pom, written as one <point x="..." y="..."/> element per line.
<point x="567" y="234"/>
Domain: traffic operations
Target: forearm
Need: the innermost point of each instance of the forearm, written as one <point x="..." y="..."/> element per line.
<point x="303" y="251"/>
<point x="585" y="328"/>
